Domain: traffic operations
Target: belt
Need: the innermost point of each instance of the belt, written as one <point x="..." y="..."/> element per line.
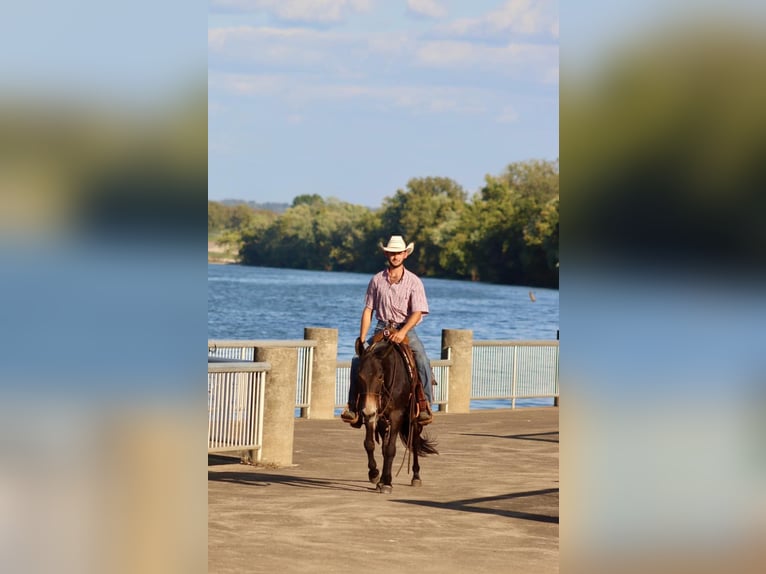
<point x="390" y="324"/>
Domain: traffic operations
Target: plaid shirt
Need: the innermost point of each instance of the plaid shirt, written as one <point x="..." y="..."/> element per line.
<point x="394" y="303"/>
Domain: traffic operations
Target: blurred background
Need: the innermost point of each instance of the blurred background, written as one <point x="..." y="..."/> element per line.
<point x="103" y="186"/>
<point x="663" y="149"/>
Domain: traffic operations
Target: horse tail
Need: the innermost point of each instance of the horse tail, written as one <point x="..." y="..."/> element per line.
<point x="426" y="445"/>
<point x="422" y="443"/>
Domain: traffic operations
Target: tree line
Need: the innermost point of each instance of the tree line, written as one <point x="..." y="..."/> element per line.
<point x="507" y="232"/>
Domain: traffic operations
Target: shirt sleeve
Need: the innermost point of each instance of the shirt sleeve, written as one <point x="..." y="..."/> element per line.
<point x="418" y="301"/>
<point x="369" y="298"/>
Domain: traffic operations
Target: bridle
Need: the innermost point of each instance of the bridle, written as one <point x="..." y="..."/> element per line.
<point x="381" y="398"/>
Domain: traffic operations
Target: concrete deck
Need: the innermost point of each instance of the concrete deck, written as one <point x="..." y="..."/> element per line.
<point x="489" y="502"/>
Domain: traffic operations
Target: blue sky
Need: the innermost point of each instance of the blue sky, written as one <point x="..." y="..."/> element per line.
<point x="352" y="98"/>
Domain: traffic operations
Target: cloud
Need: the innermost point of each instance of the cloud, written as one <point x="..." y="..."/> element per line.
<point x="301" y="47"/>
<point x="507" y="115"/>
<point x="320" y="11"/>
<point x="298" y="93"/>
<point x="512" y="59"/>
<point x="248" y="84"/>
<point x="219" y="37"/>
<point x="521" y="17"/>
<point x="426" y="8"/>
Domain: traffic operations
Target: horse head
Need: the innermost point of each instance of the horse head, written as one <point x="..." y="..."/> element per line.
<point x="371" y="377"/>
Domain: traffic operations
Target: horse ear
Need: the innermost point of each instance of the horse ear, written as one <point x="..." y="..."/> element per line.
<point x="359" y="345"/>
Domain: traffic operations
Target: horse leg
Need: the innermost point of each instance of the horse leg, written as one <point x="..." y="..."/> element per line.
<point x="389" y="453"/>
<point x="415" y="430"/>
<point x="369" y="445"/>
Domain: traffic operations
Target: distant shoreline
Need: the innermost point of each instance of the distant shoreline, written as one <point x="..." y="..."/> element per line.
<point x="217" y="253"/>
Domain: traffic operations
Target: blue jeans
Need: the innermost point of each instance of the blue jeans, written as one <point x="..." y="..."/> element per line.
<point x="422" y="363"/>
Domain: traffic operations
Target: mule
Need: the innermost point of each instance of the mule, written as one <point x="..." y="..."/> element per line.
<point x="388" y="409"/>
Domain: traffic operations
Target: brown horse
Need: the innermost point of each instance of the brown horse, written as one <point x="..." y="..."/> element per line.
<point x="386" y="405"/>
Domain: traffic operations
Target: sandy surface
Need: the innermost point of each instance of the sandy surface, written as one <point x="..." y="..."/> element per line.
<point x="489" y="502"/>
<point x="217" y="253"/>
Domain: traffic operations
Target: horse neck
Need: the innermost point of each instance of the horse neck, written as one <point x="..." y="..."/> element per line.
<point x="395" y="373"/>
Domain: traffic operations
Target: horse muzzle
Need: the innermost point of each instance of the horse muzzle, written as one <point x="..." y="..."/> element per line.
<point x="370" y="406"/>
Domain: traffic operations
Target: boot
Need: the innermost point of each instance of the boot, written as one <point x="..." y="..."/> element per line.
<point x="349" y="416"/>
<point x="425" y="415"/>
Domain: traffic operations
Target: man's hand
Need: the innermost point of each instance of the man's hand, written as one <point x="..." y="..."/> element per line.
<point x="397" y="337"/>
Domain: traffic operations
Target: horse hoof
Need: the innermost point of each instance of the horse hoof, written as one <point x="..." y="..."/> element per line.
<point x="384" y="488"/>
<point x="416" y="482"/>
<point x="374" y="478"/>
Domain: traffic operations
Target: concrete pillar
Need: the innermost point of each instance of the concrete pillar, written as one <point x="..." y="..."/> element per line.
<point x="460" y="342"/>
<point x="278" y="404"/>
<point x="323" y="369"/>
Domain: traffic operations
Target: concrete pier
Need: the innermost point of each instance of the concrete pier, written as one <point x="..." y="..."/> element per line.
<point x="489" y="502"/>
<point x="460" y="345"/>
<point x="323" y="371"/>
<point x="279" y="404"/>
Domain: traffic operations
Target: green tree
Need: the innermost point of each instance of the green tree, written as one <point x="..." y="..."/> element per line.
<point x="216" y="216"/>
<point x="307" y="199"/>
<point x="509" y="231"/>
<point x="427" y="213"/>
<point x="315" y="234"/>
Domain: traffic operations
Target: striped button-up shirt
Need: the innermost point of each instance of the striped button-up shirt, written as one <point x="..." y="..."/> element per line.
<point x="396" y="302"/>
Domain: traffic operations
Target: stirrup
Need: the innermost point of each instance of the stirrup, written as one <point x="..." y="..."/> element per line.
<point x="425" y="417"/>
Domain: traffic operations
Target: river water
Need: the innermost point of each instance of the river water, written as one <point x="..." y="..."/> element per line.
<point x="267" y="303"/>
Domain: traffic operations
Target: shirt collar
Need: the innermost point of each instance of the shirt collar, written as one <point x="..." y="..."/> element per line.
<point x="386" y="275"/>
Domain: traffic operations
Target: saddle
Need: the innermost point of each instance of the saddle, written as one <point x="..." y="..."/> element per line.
<point x="420" y="402"/>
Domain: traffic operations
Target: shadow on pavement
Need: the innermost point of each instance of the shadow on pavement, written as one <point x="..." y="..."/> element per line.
<point x="541" y="436"/>
<point x="469" y="505"/>
<point x="267" y="479"/>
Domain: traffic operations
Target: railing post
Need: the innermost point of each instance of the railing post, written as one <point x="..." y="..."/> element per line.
<point x="279" y="403"/>
<point x="558" y="390"/>
<point x="513" y="376"/>
<point x="460" y="342"/>
<point x="323" y="371"/>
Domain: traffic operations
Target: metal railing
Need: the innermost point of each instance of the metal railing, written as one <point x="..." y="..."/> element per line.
<point x="440" y="391"/>
<point x="342" y="383"/>
<point x="440" y="369"/>
<point x="235" y="406"/>
<point x="515" y="370"/>
<point x="244" y="350"/>
<point x="502" y="370"/>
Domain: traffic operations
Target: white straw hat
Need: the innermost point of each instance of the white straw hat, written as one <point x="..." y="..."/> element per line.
<point x="396" y="245"/>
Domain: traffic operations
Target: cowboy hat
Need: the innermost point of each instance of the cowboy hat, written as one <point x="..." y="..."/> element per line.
<point x="396" y="245"/>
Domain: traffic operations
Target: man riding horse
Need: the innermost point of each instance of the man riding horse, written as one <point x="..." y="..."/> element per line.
<point x="398" y="298"/>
